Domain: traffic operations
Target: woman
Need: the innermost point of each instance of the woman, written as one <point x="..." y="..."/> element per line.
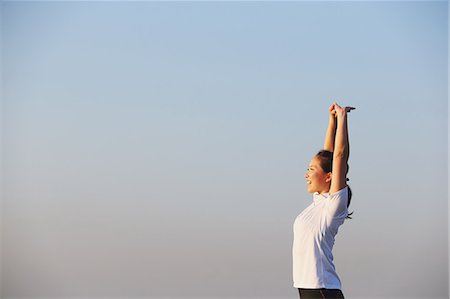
<point x="316" y="227"/>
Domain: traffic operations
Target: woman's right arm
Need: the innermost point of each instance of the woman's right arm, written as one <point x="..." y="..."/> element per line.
<point x="331" y="130"/>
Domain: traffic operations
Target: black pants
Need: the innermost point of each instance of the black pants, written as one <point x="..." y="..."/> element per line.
<point x="321" y="294"/>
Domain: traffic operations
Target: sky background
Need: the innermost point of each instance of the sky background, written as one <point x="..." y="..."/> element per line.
<point x="158" y="149"/>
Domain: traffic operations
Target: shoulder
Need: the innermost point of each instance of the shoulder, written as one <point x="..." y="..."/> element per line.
<point x="337" y="203"/>
<point x="340" y="193"/>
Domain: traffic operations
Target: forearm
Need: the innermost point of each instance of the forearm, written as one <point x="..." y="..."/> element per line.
<point x="341" y="146"/>
<point x="330" y="134"/>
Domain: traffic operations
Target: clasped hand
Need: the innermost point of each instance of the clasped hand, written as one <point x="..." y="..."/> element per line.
<point x="336" y="109"/>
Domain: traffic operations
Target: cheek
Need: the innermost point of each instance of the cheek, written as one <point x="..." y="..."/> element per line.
<point x="319" y="177"/>
<point x="315" y="176"/>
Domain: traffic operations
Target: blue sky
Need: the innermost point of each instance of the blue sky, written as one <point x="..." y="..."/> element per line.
<point x="159" y="149"/>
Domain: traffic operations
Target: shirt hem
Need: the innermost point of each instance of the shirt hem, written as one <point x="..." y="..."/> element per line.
<point x="316" y="286"/>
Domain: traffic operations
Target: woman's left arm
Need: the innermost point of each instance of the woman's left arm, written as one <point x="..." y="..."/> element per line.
<point x="341" y="150"/>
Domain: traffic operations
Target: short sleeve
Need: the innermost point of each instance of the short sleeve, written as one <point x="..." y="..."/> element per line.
<point x="337" y="204"/>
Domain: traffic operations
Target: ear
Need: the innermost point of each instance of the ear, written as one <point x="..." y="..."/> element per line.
<point x="328" y="178"/>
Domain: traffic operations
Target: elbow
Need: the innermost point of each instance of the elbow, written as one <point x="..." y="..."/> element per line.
<point x="340" y="153"/>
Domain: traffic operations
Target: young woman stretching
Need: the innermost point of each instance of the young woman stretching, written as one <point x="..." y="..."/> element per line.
<point x="315" y="228"/>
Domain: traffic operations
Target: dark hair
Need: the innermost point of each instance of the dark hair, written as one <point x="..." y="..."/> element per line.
<point x="326" y="162"/>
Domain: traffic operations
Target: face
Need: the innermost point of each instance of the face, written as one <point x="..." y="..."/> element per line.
<point x="316" y="179"/>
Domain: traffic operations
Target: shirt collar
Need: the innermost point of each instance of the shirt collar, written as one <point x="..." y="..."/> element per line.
<point x="317" y="196"/>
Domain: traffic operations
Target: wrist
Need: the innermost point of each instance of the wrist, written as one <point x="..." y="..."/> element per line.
<point x="332" y="119"/>
<point x="342" y="113"/>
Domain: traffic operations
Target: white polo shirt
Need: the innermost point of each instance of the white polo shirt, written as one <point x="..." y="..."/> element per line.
<point x="314" y="232"/>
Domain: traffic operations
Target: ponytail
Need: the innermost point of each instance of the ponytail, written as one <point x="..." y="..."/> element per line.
<point x="349" y="199"/>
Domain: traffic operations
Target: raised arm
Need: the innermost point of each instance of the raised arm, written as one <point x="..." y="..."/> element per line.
<point x="331" y="130"/>
<point x="341" y="150"/>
